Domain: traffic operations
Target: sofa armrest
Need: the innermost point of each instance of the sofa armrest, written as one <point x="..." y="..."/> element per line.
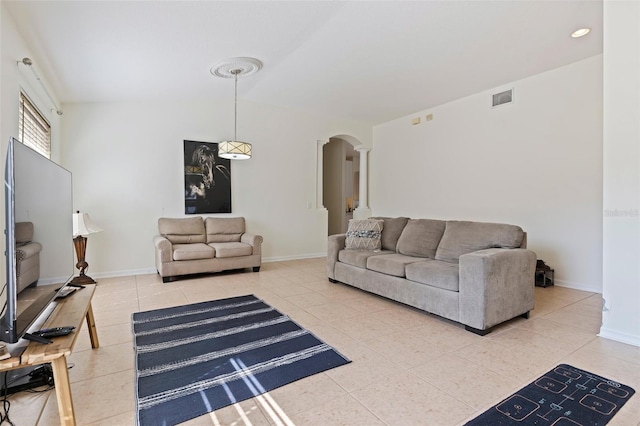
<point x="164" y="249"/>
<point x="254" y="241"/>
<point x="496" y="285"/>
<point x="335" y="244"/>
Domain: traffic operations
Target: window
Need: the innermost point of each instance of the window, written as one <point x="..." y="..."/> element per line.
<point x="34" y="130"/>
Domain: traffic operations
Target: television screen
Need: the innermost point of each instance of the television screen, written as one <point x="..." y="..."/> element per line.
<point x="38" y="228"/>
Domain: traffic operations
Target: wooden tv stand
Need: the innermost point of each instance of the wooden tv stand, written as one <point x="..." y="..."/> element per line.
<point x="70" y="311"/>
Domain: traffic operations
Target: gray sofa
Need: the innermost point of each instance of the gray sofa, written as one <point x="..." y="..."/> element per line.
<point x="195" y="245"/>
<point x="478" y="274"/>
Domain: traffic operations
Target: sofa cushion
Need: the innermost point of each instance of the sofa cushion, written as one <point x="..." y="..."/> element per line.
<point x="364" y="234"/>
<point x="232" y="249"/>
<point x="224" y="229"/>
<point x="182" y="230"/>
<point x="420" y="237"/>
<point x="461" y="237"/>
<point x="391" y="264"/>
<point x="358" y="257"/>
<point x="391" y="231"/>
<point x="435" y="273"/>
<point x="193" y="251"/>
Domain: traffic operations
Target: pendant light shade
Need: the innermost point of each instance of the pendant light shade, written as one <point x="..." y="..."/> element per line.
<point x="236" y="67"/>
<point x="234" y="150"/>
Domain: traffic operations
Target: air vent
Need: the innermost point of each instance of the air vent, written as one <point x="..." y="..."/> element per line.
<point x="502" y="98"/>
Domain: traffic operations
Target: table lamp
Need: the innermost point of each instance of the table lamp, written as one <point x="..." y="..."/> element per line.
<point x="82" y="225"/>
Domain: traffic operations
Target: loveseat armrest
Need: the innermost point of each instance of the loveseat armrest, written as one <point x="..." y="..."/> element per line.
<point x="496" y="285"/>
<point x="254" y="241"/>
<point x="164" y="249"/>
<point x="335" y="244"/>
<point x="27" y="250"/>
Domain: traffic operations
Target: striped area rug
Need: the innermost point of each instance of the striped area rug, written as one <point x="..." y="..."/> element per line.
<point x="194" y="359"/>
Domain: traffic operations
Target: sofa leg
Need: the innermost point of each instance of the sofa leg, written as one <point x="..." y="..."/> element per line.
<point x="168" y="279"/>
<point x="525" y="315"/>
<point x="477" y="331"/>
<point x="332" y="281"/>
<point x="256" y="269"/>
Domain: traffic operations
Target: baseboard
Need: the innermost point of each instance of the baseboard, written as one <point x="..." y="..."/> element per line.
<point x="297" y="257"/>
<point x="618" y="336"/>
<point x="145" y="271"/>
<point x="577" y="286"/>
<point x="130" y="272"/>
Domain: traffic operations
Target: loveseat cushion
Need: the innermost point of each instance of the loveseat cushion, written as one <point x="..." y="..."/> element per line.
<point x="461" y="237"/>
<point x="391" y="231"/>
<point x="358" y="257"/>
<point x="364" y="234"/>
<point x="391" y="264"/>
<point x="420" y="237"/>
<point x="232" y="249"/>
<point x="182" y="230"/>
<point x="224" y="229"/>
<point x="193" y="251"/>
<point x="435" y="273"/>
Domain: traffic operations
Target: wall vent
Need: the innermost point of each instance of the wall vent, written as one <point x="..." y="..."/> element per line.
<point x="502" y="98"/>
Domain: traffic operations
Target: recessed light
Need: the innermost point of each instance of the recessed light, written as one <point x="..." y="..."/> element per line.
<point x="581" y="32"/>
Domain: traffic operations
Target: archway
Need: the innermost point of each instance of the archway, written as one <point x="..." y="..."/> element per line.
<point x="342" y="181"/>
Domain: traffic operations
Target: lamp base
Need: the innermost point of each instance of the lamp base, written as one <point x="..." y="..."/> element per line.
<point x="82" y="279"/>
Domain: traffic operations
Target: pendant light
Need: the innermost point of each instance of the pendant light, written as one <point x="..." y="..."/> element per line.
<point x="235" y="68"/>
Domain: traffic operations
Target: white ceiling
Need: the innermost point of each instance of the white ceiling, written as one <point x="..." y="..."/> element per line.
<point x="364" y="60"/>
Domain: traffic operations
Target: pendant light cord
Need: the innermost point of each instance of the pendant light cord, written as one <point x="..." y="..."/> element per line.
<point x="235" y="105"/>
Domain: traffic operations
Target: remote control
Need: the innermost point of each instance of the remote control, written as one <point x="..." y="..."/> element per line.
<point x="53" y="332"/>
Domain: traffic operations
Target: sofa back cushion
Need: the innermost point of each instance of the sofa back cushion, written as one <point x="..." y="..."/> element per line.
<point x="224" y="229"/>
<point x="182" y="230"/>
<point x="420" y="237"/>
<point x="391" y="231"/>
<point x="364" y="234"/>
<point x="462" y="237"/>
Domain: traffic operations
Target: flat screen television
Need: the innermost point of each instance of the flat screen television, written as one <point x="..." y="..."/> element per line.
<point x="40" y="192"/>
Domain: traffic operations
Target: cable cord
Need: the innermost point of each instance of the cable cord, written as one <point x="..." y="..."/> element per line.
<point x="6" y="404"/>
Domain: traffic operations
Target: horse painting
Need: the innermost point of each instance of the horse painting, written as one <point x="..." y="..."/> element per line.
<point x="207" y="179"/>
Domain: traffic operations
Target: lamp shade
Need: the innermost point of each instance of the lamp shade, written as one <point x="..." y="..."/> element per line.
<point x="234" y="150"/>
<point x="83" y="225"/>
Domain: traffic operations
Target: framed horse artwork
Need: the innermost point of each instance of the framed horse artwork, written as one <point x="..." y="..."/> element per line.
<point x="207" y="179"/>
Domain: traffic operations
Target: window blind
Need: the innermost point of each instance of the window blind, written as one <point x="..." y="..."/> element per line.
<point x="33" y="129"/>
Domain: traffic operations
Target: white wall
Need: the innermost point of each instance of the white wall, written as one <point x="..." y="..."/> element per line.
<point x="127" y="162"/>
<point x="13" y="79"/>
<point x="621" y="279"/>
<point x="127" y="158"/>
<point x="536" y="163"/>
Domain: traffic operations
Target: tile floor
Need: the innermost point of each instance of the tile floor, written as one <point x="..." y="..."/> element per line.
<point x="409" y="368"/>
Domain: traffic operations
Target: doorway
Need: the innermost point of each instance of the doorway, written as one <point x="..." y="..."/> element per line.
<point x="341" y="183"/>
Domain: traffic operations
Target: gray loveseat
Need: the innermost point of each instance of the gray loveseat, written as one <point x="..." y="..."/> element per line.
<point x="27" y="256"/>
<point x="478" y="274"/>
<point x="195" y="245"/>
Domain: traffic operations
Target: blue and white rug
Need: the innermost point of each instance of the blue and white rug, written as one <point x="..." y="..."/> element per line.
<point x="194" y="359"/>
